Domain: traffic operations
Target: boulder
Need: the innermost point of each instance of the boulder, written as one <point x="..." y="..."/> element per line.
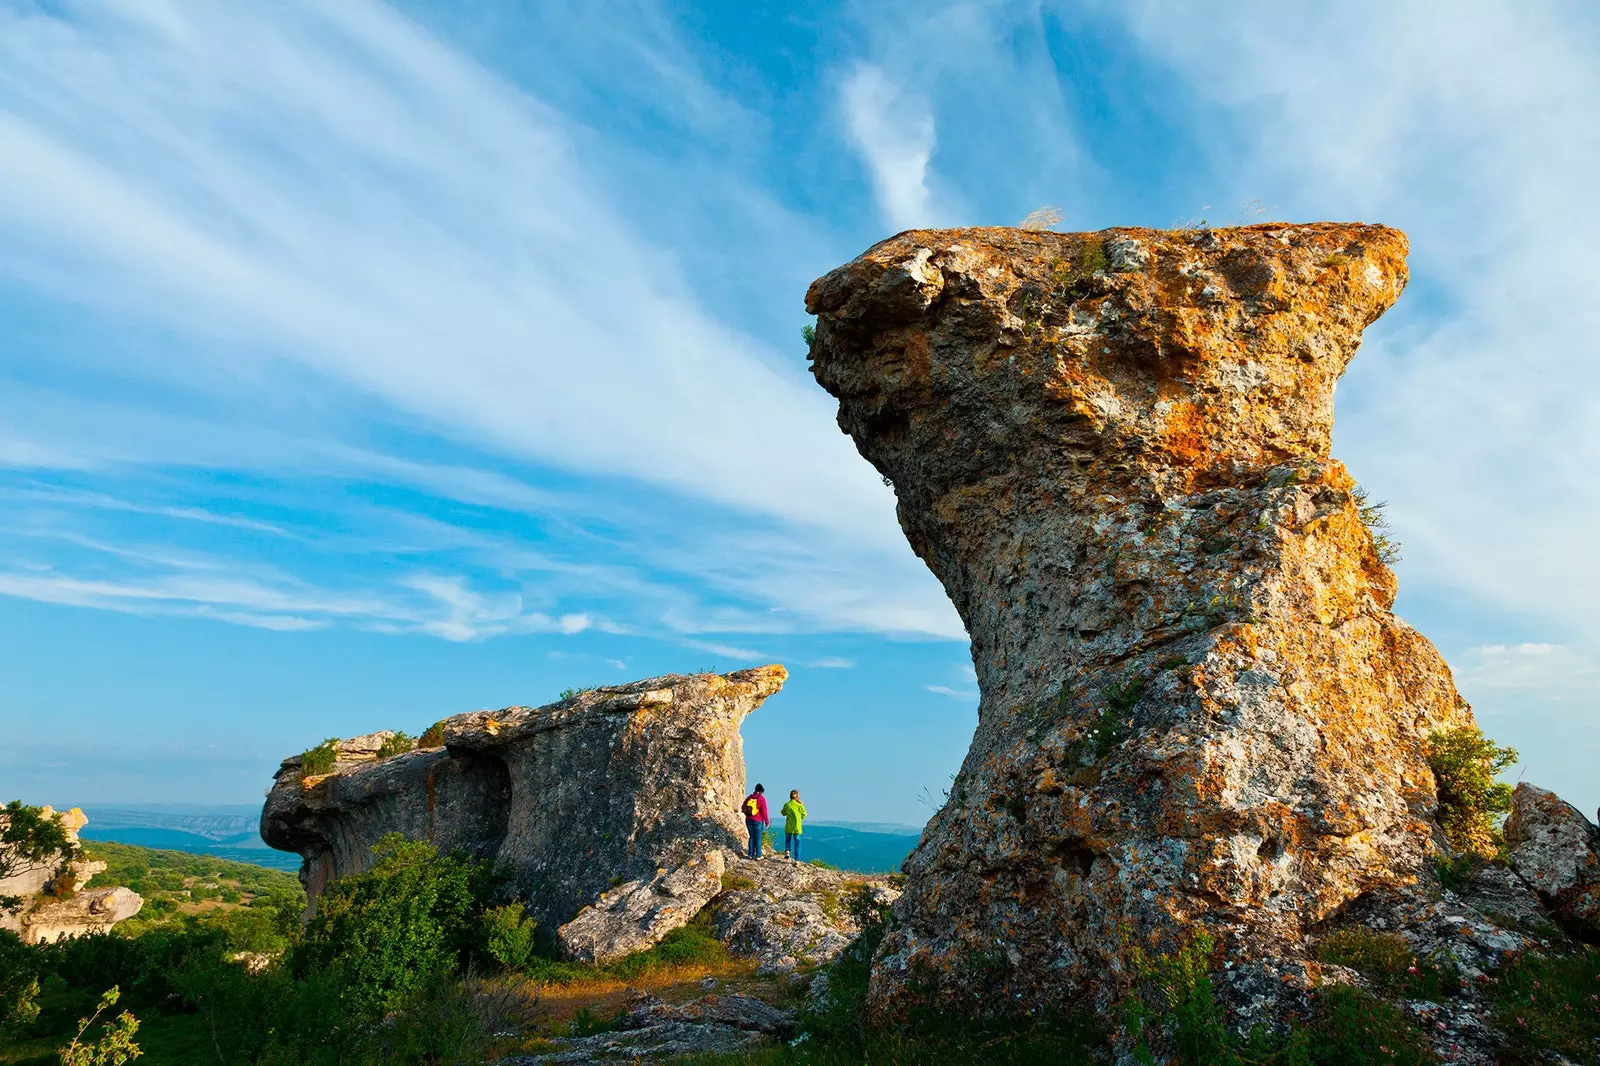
<point x="634" y="916"/>
<point x="602" y="788"/>
<point x="1197" y="710"/>
<point x="1554" y="848"/>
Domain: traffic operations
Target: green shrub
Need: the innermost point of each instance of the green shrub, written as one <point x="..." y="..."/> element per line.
<point x="509" y="935"/>
<point x="320" y="759"/>
<point x="1549" y="1004"/>
<point x="1471" y="802"/>
<point x="433" y="736"/>
<point x="1376" y="520"/>
<point x="414" y="915"/>
<point x="398" y="744"/>
<point x="19" y="985"/>
<point x="1386" y="960"/>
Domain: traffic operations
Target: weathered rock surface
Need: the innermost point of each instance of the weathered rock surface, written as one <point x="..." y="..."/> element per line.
<point x="1556" y="850"/>
<point x="1197" y="711"/>
<point x="653" y="1030"/>
<point x="790" y="916"/>
<point x="635" y="915"/>
<point x="55" y="901"/>
<point x="608" y="786"/>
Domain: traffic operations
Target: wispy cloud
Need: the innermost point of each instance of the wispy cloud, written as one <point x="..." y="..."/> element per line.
<point x="344" y="230"/>
<point x="953" y="693"/>
<point x="893" y="129"/>
<point x="347" y="194"/>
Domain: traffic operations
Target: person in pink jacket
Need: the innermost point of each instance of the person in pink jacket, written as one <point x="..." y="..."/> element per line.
<point x="755" y="819"/>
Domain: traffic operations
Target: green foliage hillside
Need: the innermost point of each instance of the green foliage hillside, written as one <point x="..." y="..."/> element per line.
<point x="175" y="883"/>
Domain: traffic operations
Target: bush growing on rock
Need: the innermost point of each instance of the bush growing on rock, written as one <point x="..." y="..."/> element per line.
<point x="398" y="744"/>
<point x="1471" y="802"/>
<point x="320" y="759"/>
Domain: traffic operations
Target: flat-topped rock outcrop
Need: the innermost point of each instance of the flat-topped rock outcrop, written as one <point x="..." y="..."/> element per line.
<point x="54" y="900"/>
<point x="1198" y="712"/>
<point x="612" y="785"/>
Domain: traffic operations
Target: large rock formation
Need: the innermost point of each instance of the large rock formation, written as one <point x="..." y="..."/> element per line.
<point x="1197" y="712"/>
<point x="1556" y="849"/>
<point x="55" y="901"/>
<point x="607" y="786"/>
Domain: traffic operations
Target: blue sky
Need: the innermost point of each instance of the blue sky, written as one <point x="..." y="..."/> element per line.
<point x="365" y="364"/>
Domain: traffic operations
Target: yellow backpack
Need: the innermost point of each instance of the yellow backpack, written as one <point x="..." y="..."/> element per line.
<point x="752" y="809"/>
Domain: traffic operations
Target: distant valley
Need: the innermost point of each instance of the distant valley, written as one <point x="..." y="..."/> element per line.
<point x="232" y="832"/>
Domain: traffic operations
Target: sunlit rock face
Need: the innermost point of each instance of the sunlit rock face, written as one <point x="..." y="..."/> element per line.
<point x="608" y="786"/>
<point x="1197" y="711"/>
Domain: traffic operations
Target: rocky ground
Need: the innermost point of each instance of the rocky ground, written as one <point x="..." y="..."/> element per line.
<point x="781" y="921"/>
<point x="792" y="916"/>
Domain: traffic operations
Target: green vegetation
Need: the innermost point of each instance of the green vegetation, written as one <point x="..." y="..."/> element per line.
<point x="261" y="907"/>
<point x="398" y="944"/>
<point x="398" y="744"/>
<point x="1472" y="803"/>
<point x="1111" y="725"/>
<point x="808" y="333"/>
<point x="1348" y="1027"/>
<point x="414" y="916"/>
<point x="571" y="693"/>
<point x="1550" y="1004"/>
<point x="320" y="759"/>
<point x="115" y="1045"/>
<point x="423" y="959"/>
<point x="1376" y="520"/>
<point x="510" y="935"/>
<point x="433" y="736"/>
<point x="29" y="837"/>
<point x="1386" y="959"/>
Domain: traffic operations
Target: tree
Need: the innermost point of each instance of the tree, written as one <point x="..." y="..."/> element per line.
<point x="1471" y="802"/>
<point x="30" y="837"/>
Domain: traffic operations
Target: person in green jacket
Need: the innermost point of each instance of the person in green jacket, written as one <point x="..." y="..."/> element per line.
<point x="794" y="820"/>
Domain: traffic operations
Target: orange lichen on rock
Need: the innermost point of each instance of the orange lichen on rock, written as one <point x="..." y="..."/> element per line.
<point x="1197" y="709"/>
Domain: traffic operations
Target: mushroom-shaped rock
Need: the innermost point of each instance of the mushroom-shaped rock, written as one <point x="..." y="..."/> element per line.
<point x="1197" y="711"/>
<point x="604" y="787"/>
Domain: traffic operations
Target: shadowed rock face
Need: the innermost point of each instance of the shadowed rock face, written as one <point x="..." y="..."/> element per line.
<point x="1197" y="709"/>
<point x="608" y="786"/>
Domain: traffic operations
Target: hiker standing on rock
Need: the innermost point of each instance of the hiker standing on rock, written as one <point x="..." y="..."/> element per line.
<point x="794" y="820"/>
<point x="755" y="819"/>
